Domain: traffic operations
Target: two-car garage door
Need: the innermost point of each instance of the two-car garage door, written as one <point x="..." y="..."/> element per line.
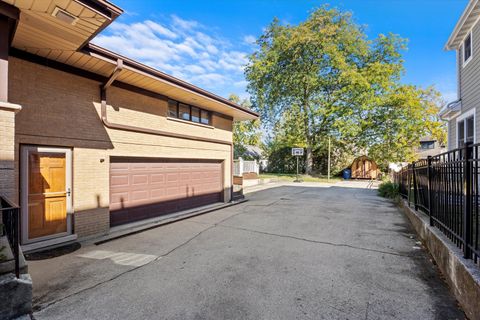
<point x="142" y="188"/>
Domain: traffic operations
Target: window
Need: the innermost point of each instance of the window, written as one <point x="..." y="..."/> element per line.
<point x="467" y="48"/>
<point x="183" y="111"/>
<point x="427" y="145"/>
<point x="186" y="112"/>
<point x="466" y="130"/>
<point x="461" y="133"/>
<point x="205" y="117"/>
<point x="172" y="108"/>
<point x="195" y="114"/>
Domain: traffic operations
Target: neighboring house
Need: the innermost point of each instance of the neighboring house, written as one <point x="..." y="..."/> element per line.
<point x="429" y="146"/>
<point x="463" y="114"/>
<point x="91" y="139"/>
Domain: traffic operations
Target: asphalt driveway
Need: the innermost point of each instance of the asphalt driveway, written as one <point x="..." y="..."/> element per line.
<point x="290" y="252"/>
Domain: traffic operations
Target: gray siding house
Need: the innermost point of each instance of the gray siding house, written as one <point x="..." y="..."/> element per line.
<point x="463" y="114"/>
<point x="429" y="146"/>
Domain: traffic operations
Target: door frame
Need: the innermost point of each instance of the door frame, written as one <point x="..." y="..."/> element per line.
<point x="24" y="169"/>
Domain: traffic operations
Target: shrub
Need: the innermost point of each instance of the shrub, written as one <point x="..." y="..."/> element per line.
<point x="389" y="190"/>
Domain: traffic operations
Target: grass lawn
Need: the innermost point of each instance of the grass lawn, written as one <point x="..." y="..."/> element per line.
<point x="291" y="177"/>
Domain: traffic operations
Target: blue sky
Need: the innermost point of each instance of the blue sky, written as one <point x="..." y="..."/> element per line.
<point x="206" y="42"/>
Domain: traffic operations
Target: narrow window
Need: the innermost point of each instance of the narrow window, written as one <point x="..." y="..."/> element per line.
<point x="183" y="111"/>
<point x="195" y="114"/>
<point x="467" y="48"/>
<point x="461" y="133"/>
<point x="205" y="117"/>
<point x="469" y="130"/>
<point x="172" y="109"/>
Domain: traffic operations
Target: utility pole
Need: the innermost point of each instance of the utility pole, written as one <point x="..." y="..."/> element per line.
<point x="329" y="148"/>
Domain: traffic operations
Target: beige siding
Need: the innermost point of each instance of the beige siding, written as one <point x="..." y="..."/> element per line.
<point x="60" y="109"/>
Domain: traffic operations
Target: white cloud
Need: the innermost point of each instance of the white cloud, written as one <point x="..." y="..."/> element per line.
<point x="184" y="49"/>
<point x="249" y="39"/>
<point x="186" y="25"/>
<point x="161" y="29"/>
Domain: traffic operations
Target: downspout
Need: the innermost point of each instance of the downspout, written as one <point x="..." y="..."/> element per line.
<point x="103" y="114"/>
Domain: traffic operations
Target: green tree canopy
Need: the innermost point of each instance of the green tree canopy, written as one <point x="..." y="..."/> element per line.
<point x="331" y="81"/>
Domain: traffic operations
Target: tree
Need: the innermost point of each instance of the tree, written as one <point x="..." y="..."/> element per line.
<point x="289" y="133"/>
<point x="332" y="79"/>
<point x="392" y="130"/>
<point x="245" y="133"/>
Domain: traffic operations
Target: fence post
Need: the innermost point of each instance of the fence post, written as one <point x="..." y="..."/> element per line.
<point x="240" y="166"/>
<point x="467" y="198"/>
<point x="415" y="204"/>
<point x="429" y="186"/>
<point x="409" y="183"/>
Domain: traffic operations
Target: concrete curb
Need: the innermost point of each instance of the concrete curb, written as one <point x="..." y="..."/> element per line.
<point x="462" y="275"/>
<point x="161" y="222"/>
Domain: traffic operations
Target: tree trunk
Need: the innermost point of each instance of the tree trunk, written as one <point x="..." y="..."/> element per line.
<point x="308" y="132"/>
<point x="309" y="161"/>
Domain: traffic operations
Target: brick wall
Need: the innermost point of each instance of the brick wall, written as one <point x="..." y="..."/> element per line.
<point x="61" y="109"/>
<point x="7" y="154"/>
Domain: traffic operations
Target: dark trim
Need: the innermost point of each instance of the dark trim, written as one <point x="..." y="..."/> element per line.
<point x="9" y="11"/>
<point x="4" y="39"/>
<point x="11" y="14"/>
<point x="91" y="48"/>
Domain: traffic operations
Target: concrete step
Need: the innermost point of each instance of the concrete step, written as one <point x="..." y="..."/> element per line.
<point x="7" y="261"/>
<point x="15" y="296"/>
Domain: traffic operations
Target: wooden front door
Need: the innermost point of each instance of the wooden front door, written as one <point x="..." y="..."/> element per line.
<point x="47" y="192"/>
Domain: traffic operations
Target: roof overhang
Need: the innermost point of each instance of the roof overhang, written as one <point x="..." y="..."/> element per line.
<point x="451" y="110"/>
<point x="168" y="85"/>
<point x="469" y="17"/>
<point x="40" y="29"/>
<point x="40" y="33"/>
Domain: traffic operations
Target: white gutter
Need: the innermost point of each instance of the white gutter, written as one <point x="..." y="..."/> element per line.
<point x="451" y="110"/>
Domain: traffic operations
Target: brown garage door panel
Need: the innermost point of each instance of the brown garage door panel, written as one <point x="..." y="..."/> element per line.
<point x="146" y="188"/>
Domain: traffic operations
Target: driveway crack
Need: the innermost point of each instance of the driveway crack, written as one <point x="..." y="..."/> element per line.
<point x="316" y="241"/>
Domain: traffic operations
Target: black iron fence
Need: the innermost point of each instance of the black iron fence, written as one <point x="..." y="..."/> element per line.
<point x="446" y="187"/>
<point x="10" y="218"/>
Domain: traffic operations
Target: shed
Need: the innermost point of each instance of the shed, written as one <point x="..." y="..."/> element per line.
<point x="364" y="168"/>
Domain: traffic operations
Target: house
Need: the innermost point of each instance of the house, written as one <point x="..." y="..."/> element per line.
<point x="462" y="113"/>
<point x="91" y="139"/>
<point x="429" y="146"/>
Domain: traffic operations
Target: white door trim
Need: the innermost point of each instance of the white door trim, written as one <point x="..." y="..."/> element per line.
<point x="25" y="150"/>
